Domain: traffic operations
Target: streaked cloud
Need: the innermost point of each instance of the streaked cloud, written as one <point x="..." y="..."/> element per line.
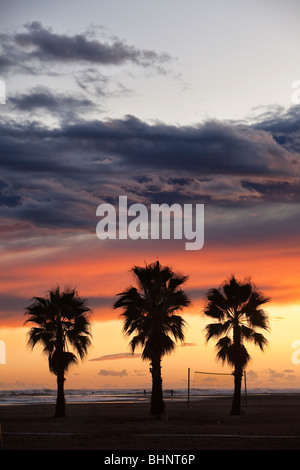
<point x="112" y="373"/>
<point x="113" y="357"/>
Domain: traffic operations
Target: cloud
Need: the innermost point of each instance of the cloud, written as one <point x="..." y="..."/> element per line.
<point x="113" y="373"/>
<point x="7" y="198"/>
<point x="210" y="149"/>
<point x="274" y="374"/>
<point x="283" y="124"/>
<point x="281" y="378"/>
<point x="271" y="377"/>
<point x="36" y="46"/>
<point x="277" y="318"/>
<point x="54" y="177"/>
<point x="139" y="373"/>
<point x="42" y="98"/>
<point x="275" y="190"/>
<point x="10" y="304"/>
<point x="252" y="376"/>
<point x="113" y="357"/>
<point x="209" y="381"/>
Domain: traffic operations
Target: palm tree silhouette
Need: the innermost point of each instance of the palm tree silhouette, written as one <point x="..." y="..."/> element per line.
<point x="61" y="321"/>
<point x="236" y="309"/>
<point x="149" y="312"/>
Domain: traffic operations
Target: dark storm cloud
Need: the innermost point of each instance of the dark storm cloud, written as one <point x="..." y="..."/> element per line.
<point x="38" y="45"/>
<point x="209" y="149"/>
<point x="275" y="190"/>
<point x="86" y="152"/>
<point x="44" y="98"/>
<point x="283" y="125"/>
<point x="9" y="200"/>
<point x="51" y="46"/>
<point x="56" y="176"/>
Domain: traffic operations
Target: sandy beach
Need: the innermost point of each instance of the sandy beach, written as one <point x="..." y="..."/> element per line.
<point x="267" y="422"/>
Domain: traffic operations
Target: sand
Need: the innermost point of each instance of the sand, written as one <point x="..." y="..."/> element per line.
<point x="267" y="423"/>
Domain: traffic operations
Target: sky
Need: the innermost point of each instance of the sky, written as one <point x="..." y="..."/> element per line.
<point x="189" y="102"/>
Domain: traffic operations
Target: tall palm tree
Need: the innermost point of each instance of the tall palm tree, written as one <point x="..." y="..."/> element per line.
<point x="61" y="321"/>
<point x="149" y="312"/>
<point x="236" y="309"/>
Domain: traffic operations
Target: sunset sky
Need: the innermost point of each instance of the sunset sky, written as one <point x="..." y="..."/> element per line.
<point x="163" y="102"/>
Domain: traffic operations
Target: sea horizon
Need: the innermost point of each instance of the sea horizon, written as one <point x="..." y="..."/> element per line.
<point x="126" y="395"/>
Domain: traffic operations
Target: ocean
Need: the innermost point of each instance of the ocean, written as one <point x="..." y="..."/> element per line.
<point x="40" y="396"/>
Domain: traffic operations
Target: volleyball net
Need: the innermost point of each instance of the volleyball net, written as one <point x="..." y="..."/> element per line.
<point x="210" y="382"/>
<point x="204" y="379"/>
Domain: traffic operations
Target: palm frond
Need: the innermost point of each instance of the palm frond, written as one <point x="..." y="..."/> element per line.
<point x="240" y="304"/>
<point x="258" y="318"/>
<point x="149" y="310"/>
<point x="260" y="340"/>
<point x="137" y="340"/>
<point x="215" y="330"/>
<point x="212" y="310"/>
<point x="60" y="319"/>
<point x="215" y="297"/>
<point x="223" y="347"/>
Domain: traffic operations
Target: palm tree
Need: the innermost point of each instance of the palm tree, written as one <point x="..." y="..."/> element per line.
<point x="236" y="309"/>
<point x="149" y="311"/>
<point x="61" y="321"/>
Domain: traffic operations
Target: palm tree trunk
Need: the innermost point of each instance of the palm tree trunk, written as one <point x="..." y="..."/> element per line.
<point x="238" y="370"/>
<point x="60" y="400"/>
<point x="60" y="410"/>
<point x="236" y="402"/>
<point x="157" y="403"/>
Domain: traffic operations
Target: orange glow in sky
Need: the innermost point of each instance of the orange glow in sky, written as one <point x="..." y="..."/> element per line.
<point x="161" y="119"/>
<point x="101" y="271"/>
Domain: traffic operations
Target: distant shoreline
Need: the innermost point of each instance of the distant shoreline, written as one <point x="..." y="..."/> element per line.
<point x="44" y="396"/>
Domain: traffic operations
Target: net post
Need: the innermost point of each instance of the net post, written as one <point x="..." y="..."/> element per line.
<point x="189" y="375"/>
<point x="1" y="444"/>
<point x="245" y="381"/>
